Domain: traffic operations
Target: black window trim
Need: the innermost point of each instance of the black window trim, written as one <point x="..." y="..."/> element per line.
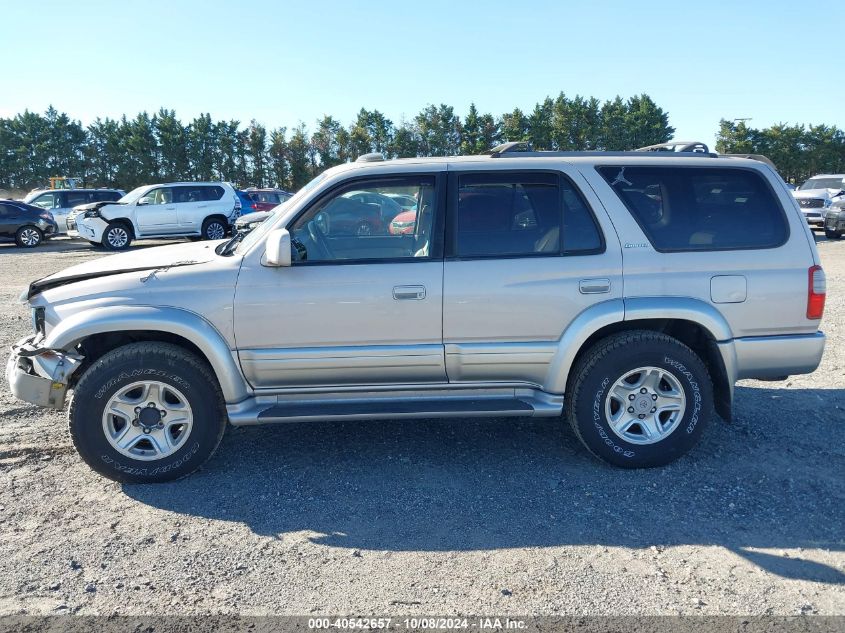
<point x="452" y="205"/>
<point x="759" y="174"/>
<point x="436" y="246"/>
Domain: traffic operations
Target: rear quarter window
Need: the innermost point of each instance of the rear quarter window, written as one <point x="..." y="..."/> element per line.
<point x="700" y="208"/>
<point x="106" y="196"/>
<point x="213" y="193"/>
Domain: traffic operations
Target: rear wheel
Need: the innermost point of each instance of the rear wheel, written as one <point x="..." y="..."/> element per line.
<point x="214" y="229"/>
<point x="832" y="235"/>
<point x="639" y="399"/>
<point x="147" y="413"/>
<point x="116" y="237"/>
<point x="28" y="237"/>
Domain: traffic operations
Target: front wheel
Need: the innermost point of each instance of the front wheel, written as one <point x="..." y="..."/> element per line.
<point x="147" y="413"/>
<point x="116" y="237"/>
<point x="639" y="399"/>
<point x="832" y="235"/>
<point x="28" y="237"/>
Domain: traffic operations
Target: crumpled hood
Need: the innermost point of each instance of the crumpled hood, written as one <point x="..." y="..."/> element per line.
<point x="181" y="254"/>
<point x="255" y="216"/>
<point x="824" y="194"/>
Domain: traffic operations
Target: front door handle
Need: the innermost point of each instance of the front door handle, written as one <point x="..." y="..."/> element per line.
<point x="594" y="286"/>
<point x="412" y="293"/>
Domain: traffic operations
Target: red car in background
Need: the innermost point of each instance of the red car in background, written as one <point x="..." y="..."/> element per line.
<point x="404" y="223"/>
<point x="254" y="199"/>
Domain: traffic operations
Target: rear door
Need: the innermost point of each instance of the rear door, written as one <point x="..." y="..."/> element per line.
<point x="525" y="255"/>
<point x="8" y="219"/>
<point x="71" y="199"/>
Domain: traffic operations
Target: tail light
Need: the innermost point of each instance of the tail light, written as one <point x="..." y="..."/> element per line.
<point x="816" y="290"/>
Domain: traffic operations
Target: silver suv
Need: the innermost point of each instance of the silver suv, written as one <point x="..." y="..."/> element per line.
<point x="627" y="292"/>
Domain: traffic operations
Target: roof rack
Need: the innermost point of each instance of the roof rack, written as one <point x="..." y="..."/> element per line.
<point x="523" y="148"/>
<point x="697" y="147"/>
<point x="372" y="157"/>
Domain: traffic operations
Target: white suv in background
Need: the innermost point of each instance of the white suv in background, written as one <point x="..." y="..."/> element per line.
<point x="203" y="210"/>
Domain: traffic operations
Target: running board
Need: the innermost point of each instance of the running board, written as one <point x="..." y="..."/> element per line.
<point x="527" y="403"/>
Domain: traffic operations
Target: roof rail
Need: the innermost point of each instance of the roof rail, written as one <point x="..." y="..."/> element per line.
<point x="677" y="146"/>
<point x="522" y="148"/>
<point x="372" y="157"/>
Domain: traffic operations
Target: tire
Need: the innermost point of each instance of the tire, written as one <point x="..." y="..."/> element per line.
<point x="122" y="381"/>
<point x="28" y="236"/>
<point x="117" y="237"/>
<point x="607" y="374"/>
<point x="832" y="235"/>
<point x="214" y="229"/>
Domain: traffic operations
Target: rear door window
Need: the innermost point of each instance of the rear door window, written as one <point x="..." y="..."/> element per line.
<point x="520" y="215"/>
<point x="74" y="198"/>
<point x="700" y="208"/>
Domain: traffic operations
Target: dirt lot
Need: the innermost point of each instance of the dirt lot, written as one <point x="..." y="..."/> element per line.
<point x="435" y="517"/>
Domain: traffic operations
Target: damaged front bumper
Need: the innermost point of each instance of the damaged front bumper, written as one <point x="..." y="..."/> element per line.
<point x="39" y="375"/>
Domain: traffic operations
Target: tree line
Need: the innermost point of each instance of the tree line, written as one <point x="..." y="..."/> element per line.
<point x="128" y="152"/>
<point x="798" y="151"/>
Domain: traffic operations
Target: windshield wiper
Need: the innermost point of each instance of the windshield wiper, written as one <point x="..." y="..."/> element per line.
<point x="229" y="247"/>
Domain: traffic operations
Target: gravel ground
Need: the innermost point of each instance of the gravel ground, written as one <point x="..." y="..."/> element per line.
<point x="435" y="517"/>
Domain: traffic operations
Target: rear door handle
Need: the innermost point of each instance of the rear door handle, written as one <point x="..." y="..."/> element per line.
<point x="594" y="286"/>
<point x="410" y="293"/>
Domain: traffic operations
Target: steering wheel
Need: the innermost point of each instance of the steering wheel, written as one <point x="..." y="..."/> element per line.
<point x="320" y="240"/>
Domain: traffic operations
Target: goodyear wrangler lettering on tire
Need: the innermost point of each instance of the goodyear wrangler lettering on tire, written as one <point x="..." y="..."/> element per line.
<point x="630" y="393"/>
<point x="136" y="374"/>
<point x="597" y="417"/>
<point x="697" y="392"/>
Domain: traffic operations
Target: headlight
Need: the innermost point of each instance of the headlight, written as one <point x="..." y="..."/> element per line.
<point x="93" y="213"/>
<point x="827" y="203"/>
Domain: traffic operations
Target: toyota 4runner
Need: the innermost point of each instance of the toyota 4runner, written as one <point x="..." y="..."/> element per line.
<point x="627" y="292"/>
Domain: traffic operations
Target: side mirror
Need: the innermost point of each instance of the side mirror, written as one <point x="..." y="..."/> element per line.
<point x="278" y="251"/>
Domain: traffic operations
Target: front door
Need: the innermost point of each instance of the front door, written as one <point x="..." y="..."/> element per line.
<point x="358" y="306"/>
<point x="156" y="212"/>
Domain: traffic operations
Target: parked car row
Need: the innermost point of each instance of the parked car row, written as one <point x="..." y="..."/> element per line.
<point x="113" y="219"/>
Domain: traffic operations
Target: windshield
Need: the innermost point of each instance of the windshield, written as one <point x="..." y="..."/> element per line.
<point x="823" y="183"/>
<point x="31" y="196"/>
<point x="133" y="195"/>
<point x="258" y="233"/>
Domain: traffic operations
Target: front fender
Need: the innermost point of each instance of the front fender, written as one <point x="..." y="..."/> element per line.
<point x="189" y="325"/>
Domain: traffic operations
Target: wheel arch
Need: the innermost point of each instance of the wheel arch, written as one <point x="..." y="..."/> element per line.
<point x="100" y="330"/>
<point x="125" y="222"/>
<point x="693" y="322"/>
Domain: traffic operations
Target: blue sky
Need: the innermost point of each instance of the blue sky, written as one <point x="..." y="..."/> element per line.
<point x="285" y="62"/>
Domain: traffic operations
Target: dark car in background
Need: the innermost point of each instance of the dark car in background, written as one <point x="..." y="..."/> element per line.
<point x="28" y="225"/>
